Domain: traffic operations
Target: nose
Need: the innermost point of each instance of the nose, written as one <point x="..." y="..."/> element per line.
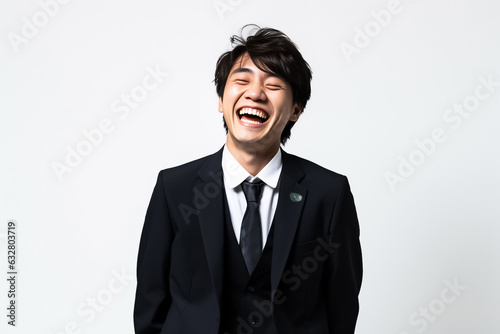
<point x="255" y="91"/>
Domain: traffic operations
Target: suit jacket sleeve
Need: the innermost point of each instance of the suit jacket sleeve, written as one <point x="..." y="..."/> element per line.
<point x="153" y="297"/>
<point x="345" y="266"/>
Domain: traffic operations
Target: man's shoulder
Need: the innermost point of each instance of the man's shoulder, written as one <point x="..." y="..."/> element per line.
<point x="192" y="168"/>
<point x="314" y="171"/>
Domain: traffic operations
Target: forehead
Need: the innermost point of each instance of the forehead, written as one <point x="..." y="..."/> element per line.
<point x="242" y="61"/>
<point x="245" y="64"/>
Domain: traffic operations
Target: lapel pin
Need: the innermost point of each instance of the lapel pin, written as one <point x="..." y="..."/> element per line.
<point x="295" y="197"/>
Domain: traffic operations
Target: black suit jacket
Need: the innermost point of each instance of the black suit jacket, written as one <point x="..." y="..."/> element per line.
<point x="316" y="262"/>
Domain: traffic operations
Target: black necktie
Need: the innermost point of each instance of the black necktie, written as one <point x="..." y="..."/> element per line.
<point x="251" y="230"/>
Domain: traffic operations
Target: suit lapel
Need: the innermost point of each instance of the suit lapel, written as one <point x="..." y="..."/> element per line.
<point x="292" y="196"/>
<point x="211" y="217"/>
<point x="291" y="200"/>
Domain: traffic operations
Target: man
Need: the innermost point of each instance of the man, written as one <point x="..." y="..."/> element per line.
<point x="251" y="239"/>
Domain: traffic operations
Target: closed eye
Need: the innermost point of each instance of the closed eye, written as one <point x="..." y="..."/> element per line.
<point x="274" y="87"/>
<point x="241" y="81"/>
<point x="275" y="83"/>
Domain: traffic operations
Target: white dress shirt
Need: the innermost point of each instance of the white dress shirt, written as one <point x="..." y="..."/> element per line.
<point x="235" y="174"/>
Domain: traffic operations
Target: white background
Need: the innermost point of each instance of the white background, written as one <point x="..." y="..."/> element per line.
<point x="438" y="223"/>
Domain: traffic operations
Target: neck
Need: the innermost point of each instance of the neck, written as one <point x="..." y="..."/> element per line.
<point x="252" y="157"/>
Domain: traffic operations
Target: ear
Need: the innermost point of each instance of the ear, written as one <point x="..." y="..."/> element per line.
<point x="221" y="108"/>
<point x="297" y="110"/>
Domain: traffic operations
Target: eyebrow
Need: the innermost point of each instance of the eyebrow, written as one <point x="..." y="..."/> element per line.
<point x="242" y="70"/>
<point x="248" y="70"/>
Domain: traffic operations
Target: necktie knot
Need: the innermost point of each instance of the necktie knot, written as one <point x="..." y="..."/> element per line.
<point x="252" y="191"/>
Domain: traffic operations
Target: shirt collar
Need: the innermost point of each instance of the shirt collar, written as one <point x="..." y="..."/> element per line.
<point x="234" y="173"/>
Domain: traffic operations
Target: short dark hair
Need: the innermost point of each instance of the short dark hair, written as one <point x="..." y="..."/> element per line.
<point x="271" y="51"/>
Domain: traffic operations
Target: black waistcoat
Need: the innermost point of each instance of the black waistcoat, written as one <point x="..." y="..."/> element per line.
<point x="246" y="306"/>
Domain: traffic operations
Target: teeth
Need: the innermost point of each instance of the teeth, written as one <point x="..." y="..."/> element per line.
<point x="250" y="111"/>
<point x="249" y="121"/>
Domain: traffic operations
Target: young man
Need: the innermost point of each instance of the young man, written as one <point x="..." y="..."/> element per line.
<point x="251" y="239"/>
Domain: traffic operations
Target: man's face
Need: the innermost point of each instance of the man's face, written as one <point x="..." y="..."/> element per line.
<point x="256" y="106"/>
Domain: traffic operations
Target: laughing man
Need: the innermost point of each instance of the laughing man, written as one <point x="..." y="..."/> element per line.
<point x="251" y="239"/>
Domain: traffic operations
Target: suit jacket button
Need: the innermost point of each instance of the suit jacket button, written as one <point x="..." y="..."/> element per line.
<point x="250" y="289"/>
<point x="253" y="320"/>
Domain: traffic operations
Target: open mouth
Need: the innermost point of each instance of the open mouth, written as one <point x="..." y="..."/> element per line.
<point x="252" y="116"/>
